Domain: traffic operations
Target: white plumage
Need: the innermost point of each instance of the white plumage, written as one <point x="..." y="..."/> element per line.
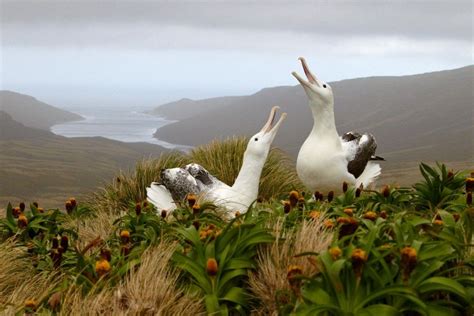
<point x="325" y="159"/>
<point x="176" y="183"/>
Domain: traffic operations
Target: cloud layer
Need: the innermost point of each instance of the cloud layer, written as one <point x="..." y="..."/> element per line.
<point x="198" y="49"/>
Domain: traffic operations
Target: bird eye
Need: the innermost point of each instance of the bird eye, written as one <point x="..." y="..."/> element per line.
<point x="324" y="86"/>
<point x="255" y="139"/>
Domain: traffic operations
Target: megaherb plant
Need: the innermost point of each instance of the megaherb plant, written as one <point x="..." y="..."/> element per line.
<point x="396" y="251"/>
<point x="216" y="258"/>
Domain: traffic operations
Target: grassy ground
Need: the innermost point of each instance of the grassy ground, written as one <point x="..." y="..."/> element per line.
<point x="390" y="252"/>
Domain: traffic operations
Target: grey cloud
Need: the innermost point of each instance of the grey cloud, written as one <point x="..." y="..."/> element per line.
<point x="419" y="19"/>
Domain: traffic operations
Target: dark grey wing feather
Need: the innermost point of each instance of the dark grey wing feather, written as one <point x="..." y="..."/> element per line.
<point x="364" y="147"/>
<point x="179" y="182"/>
<point x="200" y="173"/>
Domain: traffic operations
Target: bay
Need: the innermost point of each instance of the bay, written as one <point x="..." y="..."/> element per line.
<point x="126" y="124"/>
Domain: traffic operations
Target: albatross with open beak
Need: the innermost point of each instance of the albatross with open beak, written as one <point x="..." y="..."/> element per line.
<point x="326" y="160"/>
<point x="176" y="183"/>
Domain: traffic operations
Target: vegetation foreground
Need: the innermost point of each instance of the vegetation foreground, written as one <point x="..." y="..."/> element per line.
<point x="395" y="251"/>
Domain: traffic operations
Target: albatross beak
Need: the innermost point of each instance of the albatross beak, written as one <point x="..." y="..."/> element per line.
<point x="267" y="128"/>
<point x="311" y="78"/>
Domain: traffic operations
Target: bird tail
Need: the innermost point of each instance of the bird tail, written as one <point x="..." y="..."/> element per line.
<point x="371" y="172"/>
<point x="160" y="197"/>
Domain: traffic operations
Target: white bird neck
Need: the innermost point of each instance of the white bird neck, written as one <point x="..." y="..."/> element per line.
<point x="248" y="180"/>
<point x="324" y="123"/>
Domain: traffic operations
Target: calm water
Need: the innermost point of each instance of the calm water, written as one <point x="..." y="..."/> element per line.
<point x="123" y="124"/>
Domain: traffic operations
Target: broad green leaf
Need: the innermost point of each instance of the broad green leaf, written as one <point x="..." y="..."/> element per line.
<point x="379" y="310"/>
<point x="442" y="284"/>
<point x="396" y="290"/>
<point x="235" y="295"/>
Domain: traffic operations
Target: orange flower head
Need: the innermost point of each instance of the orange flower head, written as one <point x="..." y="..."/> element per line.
<point x="192" y="198"/>
<point x="31" y="304"/>
<point x="294" y="270"/>
<point x="408" y="261"/>
<point x="211" y="267"/>
<point x="314" y="214"/>
<point x="203" y="234"/>
<point x="22" y="221"/>
<point x="102" y="267"/>
<point x="196" y="209"/>
<point x="16" y="211"/>
<point x="335" y="253"/>
<point x="342" y="220"/>
<point x="409" y="253"/>
<point x="22" y="206"/>
<point x="73" y="202"/>
<point x="370" y="215"/>
<point x="125" y="236"/>
<point x="384" y="214"/>
<point x="294" y="196"/>
<point x="68" y="207"/>
<point x="359" y="255"/>
<point x="329" y="223"/>
<point x="40" y="210"/>
<point x="349" y="211"/>
<point x="438" y="222"/>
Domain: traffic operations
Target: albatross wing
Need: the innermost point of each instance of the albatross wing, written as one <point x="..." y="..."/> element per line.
<point x="160" y="197"/>
<point x="359" y="149"/>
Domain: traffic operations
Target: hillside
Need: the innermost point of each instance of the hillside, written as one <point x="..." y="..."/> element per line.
<point x="186" y="108"/>
<point x="39" y="165"/>
<point x="33" y="113"/>
<point x="419" y="117"/>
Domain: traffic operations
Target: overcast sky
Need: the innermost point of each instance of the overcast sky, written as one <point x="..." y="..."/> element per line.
<point x="145" y="53"/>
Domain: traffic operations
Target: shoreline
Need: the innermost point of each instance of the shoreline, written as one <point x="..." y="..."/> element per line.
<point x="142" y="127"/>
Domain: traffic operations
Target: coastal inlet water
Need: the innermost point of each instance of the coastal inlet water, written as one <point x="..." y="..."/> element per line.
<point x="123" y="124"/>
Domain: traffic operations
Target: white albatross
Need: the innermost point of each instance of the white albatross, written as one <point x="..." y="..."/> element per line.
<point x="326" y="160"/>
<point x="176" y="183"/>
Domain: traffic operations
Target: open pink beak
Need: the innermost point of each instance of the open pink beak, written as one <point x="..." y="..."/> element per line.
<point x="267" y="128"/>
<point x="311" y="78"/>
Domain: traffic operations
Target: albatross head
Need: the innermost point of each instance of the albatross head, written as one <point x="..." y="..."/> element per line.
<point x="259" y="144"/>
<point x="319" y="92"/>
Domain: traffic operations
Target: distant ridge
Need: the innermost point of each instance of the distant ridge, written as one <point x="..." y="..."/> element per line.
<point x="418" y="117"/>
<point x="37" y="165"/>
<point x="186" y="108"/>
<point x="32" y="112"/>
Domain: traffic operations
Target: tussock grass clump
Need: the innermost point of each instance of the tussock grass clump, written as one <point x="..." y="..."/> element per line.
<point x="151" y="289"/>
<point x="19" y="281"/>
<point x="129" y="188"/>
<point x="271" y="278"/>
<point x="223" y="159"/>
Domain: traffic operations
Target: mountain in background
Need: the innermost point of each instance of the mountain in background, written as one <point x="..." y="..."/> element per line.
<point x="33" y="113"/>
<point x="186" y="108"/>
<point x="419" y="117"/>
<point x="37" y="165"/>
